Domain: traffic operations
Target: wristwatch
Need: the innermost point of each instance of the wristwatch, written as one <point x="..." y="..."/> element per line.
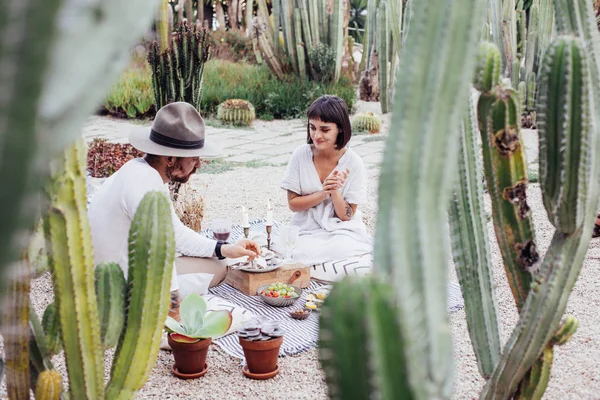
<point x="218" y="249"/>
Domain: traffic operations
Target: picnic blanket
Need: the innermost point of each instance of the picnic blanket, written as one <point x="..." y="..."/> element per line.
<point x="302" y="335"/>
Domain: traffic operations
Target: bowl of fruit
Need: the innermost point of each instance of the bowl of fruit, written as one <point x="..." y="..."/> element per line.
<point x="279" y="294"/>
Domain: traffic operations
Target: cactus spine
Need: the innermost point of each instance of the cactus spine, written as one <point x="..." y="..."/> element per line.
<point x="177" y="72"/>
<point x="470" y="248"/>
<point x="51" y="326"/>
<point x="565" y="136"/>
<point x="151" y="258"/>
<point x="110" y="291"/>
<point x="49" y="386"/>
<point x="419" y="146"/>
<point x="72" y="265"/>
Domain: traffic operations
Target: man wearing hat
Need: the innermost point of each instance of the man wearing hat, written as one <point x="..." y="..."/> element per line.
<point x="173" y="146"/>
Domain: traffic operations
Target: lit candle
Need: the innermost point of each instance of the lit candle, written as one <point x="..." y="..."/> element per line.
<point x="245" y="221"/>
<point x="269" y="221"/>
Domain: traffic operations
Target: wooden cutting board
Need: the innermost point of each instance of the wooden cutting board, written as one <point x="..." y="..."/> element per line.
<point x="248" y="282"/>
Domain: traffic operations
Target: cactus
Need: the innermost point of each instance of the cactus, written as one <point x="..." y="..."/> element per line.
<point x="151" y="258"/>
<point x="487" y="69"/>
<point x="236" y="112"/>
<point x="72" y="265"/>
<point x="39" y="355"/>
<point x="564" y="172"/>
<point x="49" y="386"/>
<point x="110" y="291"/>
<point x="51" y="328"/>
<point x="522" y="89"/>
<point x="566" y="331"/>
<point x="177" y="73"/>
<point x="516" y="70"/>
<point x="531" y="91"/>
<point x="383" y="49"/>
<point x="470" y="248"/>
<point x="419" y="145"/>
<point x="359" y="362"/>
<point x="366" y="122"/>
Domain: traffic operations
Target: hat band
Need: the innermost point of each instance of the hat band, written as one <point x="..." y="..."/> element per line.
<point x="175" y="143"/>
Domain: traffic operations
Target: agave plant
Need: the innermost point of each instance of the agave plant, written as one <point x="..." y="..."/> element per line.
<point x="197" y="323"/>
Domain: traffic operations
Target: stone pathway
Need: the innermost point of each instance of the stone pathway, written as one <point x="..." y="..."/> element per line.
<point x="271" y="142"/>
<point x="266" y="142"/>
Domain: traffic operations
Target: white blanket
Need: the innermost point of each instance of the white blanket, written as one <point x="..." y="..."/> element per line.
<point x="323" y="236"/>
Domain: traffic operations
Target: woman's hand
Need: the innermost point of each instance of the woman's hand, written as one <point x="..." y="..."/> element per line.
<point x="242" y="248"/>
<point x="335" y="180"/>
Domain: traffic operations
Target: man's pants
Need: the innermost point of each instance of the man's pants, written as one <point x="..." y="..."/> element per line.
<point x="197" y="274"/>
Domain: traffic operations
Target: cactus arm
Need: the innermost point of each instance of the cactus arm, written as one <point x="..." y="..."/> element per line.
<point x="396" y="26"/>
<point x="417" y="169"/>
<point x="531" y="51"/>
<point x="505" y="171"/>
<point x="15" y="330"/>
<point x="494" y="12"/>
<point x="72" y="265"/>
<point x="470" y="248"/>
<point x="299" y="44"/>
<point x="287" y="15"/>
<point x="565" y="135"/>
<point x="536" y="380"/>
<point x="151" y="258"/>
<point x="487" y="70"/>
<point x="110" y="292"/>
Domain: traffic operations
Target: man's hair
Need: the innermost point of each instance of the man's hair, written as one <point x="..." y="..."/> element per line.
<point x="328" y="108"/>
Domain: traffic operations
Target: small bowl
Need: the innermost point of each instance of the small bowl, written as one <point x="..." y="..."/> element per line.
<point x="303" y="314"/>
<point x="279" y="301"/>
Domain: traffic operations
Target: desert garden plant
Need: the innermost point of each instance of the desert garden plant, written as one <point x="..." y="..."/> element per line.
<point x="397" y="316"/>
<point x="189" y="338"/>
<point x="236" y="112"/>
<point x="366" y="121"/>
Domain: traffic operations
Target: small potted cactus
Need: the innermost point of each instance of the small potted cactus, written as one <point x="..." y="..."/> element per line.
<point x="190" y="338"/>
<point x="261" y="342"/>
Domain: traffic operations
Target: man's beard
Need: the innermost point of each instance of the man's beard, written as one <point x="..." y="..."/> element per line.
<point x="180" y="179"/>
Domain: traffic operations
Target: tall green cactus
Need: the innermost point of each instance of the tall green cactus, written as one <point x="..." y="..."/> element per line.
<point x="71" y="262"/>
<point x="418" y="166"/>
<point x="470" y="248"/>
<point x="151" y="258"/>
<point x="383" y="48"/>
<point x="178" y="72"/>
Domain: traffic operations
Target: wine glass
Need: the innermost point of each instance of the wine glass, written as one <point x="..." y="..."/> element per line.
<point x="221" y="229"/>
<point x="289" y="235"/>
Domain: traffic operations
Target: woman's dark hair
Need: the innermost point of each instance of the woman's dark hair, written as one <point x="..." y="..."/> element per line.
<point x="328" y="108"/>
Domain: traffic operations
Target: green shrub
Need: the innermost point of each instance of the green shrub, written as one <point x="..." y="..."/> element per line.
<point x="131" y="96"/>
<point x="323" y="58"/>
<point x="271" y="97"/>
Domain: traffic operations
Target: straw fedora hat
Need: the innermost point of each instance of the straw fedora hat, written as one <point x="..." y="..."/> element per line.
<point x="177" y="131"/>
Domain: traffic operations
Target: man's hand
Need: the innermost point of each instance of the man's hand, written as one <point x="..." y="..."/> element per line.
<point x="242" y="248"/>
<point x="335" y="180"/>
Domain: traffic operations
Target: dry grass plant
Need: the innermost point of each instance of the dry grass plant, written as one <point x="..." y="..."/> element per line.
<point x="188" y="204"/>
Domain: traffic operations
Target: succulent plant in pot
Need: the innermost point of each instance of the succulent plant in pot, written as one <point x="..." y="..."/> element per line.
<point x="190" y="338"/>
<point x="261" y="341"/>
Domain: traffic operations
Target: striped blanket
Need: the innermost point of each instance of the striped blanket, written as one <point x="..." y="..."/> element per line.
<point x="299" y="335"/>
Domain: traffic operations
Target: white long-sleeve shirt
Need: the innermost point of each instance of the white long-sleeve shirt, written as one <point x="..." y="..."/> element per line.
<point x="112" y="209"/>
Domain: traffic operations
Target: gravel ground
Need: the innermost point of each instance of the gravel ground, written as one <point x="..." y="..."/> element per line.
<point x="574" y="374"/>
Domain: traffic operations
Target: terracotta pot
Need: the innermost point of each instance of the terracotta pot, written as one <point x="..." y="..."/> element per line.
<point x="190" y="358"/>
<point x="261" y="356"/>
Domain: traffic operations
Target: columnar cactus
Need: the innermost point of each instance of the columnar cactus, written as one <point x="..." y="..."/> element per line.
<point x="487" y="69"/>
<point x="177" y="73"/>
<point x="418" y="166"/>
<point x="151" y="257"/>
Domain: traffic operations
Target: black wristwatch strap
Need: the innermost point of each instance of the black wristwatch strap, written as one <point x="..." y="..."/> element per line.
<point x="218" y="250"/>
